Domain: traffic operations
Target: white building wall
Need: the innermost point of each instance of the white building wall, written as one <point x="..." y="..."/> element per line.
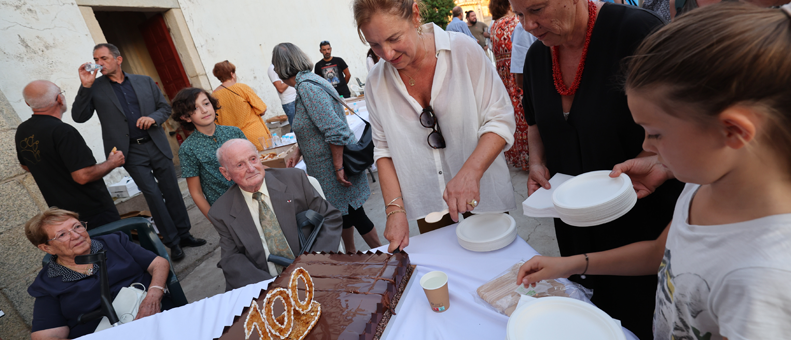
<point x="245" y="32"/>
<point x="46" y="39"/>
<point x="49" y="39"/>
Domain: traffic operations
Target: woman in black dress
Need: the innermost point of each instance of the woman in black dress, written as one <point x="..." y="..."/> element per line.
<point x="579" y="121"/>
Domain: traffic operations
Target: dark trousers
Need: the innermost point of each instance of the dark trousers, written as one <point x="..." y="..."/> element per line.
<point x="102" y="218"/>
<point x="155" y="176"/>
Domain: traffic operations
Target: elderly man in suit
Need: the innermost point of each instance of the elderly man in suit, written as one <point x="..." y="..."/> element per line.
<point x="131" y="109"/>
<point x="256" y="217"/>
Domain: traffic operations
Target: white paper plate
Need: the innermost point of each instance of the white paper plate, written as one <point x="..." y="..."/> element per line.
<point x="590" y="190"/>
<point x="486" y="232"/>
<point x="562" y="318"/>
<point x="594" y="198"/>
<point x="599" y="221"/>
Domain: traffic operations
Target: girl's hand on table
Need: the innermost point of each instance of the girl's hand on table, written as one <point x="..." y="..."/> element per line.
<point x="545" y="268"/>
<point x="646" y="173"/>
<point x="463" y="189"/>
<point x="397" y="231"/>
<point x="538" y="178"/>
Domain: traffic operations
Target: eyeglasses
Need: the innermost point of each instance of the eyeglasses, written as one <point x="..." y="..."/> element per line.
<point x="63" y="236"/>
<point x="429" y="120"/>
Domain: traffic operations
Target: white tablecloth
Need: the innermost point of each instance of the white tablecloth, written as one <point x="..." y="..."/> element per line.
<point x="466" y="318"/>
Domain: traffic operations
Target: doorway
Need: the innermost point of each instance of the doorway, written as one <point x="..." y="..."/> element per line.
<point x="145" y="43"/>
<point x="148" y="49"/>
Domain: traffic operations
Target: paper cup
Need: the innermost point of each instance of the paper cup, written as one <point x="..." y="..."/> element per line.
<point x="435" y="284"/>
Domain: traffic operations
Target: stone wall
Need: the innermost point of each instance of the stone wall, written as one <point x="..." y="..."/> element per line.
<point x="20" y="200"/>
<point x="47" y="39"/>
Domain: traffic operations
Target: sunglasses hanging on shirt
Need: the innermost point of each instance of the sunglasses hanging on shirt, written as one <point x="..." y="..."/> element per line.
<point x="429" y="120"/>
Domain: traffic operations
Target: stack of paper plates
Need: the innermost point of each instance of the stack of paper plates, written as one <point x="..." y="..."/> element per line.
<point x="562" y="318"/>
<point x="594" y="198"/>
<point x="486" y="232"/>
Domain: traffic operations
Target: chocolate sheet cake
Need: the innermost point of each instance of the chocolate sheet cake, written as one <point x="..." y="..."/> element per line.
<point x="358" y="294"/>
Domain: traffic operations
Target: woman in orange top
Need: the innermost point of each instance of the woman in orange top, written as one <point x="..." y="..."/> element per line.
<point x="241" y="107"/>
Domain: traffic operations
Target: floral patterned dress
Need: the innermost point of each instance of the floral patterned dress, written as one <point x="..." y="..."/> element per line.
<point x="502" y="30"/>
<point x="318" y="122"/>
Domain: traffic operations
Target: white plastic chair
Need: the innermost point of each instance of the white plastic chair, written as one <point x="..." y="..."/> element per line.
<point x="316" y="185"/>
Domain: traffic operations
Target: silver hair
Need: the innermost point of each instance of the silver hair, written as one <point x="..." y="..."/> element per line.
<point x="289" y="60"/>
<point x="42" y="100"/>
<point x="230" y="143"/>
<point x="113" y="50"/>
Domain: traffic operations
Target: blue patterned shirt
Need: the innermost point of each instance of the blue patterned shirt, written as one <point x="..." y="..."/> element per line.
<point x="198" y="157"/>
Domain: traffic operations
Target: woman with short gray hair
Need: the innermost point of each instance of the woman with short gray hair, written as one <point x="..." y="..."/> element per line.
<point x="289" y="60"/>
<point x="322" y="131"/>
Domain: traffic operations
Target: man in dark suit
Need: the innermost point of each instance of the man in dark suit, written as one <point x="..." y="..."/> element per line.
<point x="131" y="109"/>
<point x="256" y="217"/>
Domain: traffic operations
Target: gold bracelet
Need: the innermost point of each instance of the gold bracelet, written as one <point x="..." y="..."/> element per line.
<point x="394" y="205"/>
<point x="395" y="212"/>
<point x="393" y="201"/>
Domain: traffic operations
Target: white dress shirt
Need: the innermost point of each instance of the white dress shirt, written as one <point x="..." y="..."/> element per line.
<point x="520" y="43"/>
<point x="252" y="205"/>
<point x="468" y="99"/>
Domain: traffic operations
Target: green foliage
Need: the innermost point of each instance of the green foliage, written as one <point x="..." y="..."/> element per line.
<point x="437" y="11"/>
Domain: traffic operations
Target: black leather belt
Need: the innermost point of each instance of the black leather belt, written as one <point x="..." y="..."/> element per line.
<point x="145" y="139"/>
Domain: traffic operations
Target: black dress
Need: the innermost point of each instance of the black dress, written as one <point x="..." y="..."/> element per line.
<point x="600" y="133"/>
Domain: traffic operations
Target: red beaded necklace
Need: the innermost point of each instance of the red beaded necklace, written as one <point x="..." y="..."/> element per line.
<point x="558" y="77"/>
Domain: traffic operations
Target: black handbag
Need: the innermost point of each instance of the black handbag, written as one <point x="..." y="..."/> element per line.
<point x="357" y="156"/>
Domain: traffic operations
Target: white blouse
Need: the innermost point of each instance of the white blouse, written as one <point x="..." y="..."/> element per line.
<point x="469" y="99"/>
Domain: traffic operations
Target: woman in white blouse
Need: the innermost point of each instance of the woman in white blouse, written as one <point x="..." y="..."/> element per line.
<point x="441" y="119"/>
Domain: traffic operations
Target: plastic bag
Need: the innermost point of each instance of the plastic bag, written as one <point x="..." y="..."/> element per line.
<point x="502" y="293"/>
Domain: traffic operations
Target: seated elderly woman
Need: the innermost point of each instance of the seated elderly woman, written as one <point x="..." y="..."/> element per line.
<point x="65" y="290"/>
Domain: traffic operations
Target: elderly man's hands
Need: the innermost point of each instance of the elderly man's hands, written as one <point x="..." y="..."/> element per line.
<point x="150" y="304"/>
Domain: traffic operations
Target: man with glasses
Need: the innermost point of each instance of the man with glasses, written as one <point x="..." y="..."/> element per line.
<point x="132" y="110"/>
<point x="333" y="69"/>
<point x="59" y="160"/>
